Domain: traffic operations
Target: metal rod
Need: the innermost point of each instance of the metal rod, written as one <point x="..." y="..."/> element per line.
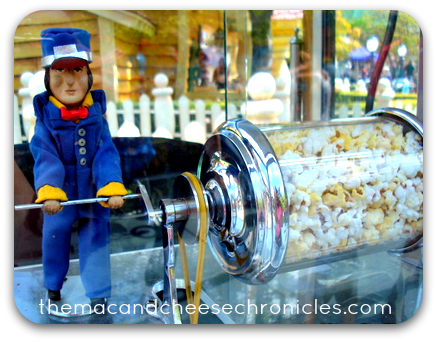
<point x="74" y="202"/>
<point x="388" y="38"/>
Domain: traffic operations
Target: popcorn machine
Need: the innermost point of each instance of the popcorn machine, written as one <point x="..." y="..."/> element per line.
<point x="283" y="198"/>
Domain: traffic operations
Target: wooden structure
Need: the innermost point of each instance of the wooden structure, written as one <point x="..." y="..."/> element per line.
<point x="115" y="41"/>
<point x="129" y="47"/>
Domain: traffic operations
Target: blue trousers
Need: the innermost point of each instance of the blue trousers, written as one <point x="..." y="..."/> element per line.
<point x="94" y="248"/>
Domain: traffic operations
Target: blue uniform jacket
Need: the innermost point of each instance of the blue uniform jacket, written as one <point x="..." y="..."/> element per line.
<point x="78" y="158"/>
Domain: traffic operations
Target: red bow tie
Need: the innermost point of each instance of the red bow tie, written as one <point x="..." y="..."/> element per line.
<point x="74" y="114"/>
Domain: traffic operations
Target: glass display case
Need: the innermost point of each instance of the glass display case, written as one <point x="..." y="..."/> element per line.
<point x="273" y="162"/>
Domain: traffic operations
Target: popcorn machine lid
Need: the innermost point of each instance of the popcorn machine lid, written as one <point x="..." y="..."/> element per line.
<point x="249" y="220"/>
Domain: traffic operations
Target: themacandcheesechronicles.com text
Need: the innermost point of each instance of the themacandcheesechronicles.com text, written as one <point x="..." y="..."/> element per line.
<point x="240" y="309"/>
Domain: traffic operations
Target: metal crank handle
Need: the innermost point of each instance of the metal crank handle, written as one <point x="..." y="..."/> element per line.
<point x="74" y="202"/>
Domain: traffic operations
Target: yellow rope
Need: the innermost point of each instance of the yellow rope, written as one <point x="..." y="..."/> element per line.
<point x="203" y="215"/>
<point x="186" y="272"/>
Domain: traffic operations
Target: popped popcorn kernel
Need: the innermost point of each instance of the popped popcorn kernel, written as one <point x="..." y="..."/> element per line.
<point x="336" y="196"/>
<point x="398" y="143"/>
<point x="358" y="193"/>
<point x="346" y="141"/>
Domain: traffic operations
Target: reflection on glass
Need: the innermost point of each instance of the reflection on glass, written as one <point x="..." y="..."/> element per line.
<point x="326" y="76"/>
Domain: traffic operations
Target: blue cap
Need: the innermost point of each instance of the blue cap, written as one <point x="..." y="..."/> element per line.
<point x="60" y="43"/>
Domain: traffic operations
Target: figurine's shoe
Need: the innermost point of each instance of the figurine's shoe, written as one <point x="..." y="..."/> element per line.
<point x="54" y="295"/>
<point x="99" y="305"/>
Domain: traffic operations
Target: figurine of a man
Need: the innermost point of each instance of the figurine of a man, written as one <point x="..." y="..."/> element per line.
<point x="74" y="159"/>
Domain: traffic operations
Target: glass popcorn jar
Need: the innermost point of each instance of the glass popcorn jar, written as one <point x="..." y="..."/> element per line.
<point x="350" y="184"/>
<point x="290" y="194"/>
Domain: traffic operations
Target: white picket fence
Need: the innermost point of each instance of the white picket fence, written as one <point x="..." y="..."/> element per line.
<point x="161" y="118"/>
<point x="135" y="121"/>
<point x="180" y="123"/>
<point x="356" y="111"/>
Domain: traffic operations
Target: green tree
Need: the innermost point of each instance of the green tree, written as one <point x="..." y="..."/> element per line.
<point x="346" y="38"/>
<point x="374" y="23"/>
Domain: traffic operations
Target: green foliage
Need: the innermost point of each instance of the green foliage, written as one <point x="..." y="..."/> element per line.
<point x="355" y="27"/>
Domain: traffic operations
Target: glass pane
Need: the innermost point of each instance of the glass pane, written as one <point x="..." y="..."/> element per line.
<point x="316" y="65"/>
<point x="359" y="46"/>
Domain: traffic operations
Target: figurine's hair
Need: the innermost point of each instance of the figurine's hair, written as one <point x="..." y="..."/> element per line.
<point x="47" y="79"/>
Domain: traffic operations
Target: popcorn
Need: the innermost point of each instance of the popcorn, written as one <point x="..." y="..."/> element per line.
<point x="390" y="199"/>
<point x="401" y="194"/>
<point x="299" y="199"/>
<point x="412" y="144"/>
<point x="353" y="182"/>
<point x="316" y="140"/>
<point x="308" y="238"/>
<point x="350" y="185"/>
<point x="373" y="217"/>
<point x="410" y="166"/>
<point x="337" y="196"/>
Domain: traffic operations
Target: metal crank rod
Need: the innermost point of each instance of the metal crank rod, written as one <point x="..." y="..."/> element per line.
<point x="153" y="217"/>
<point x="74" y="202"/>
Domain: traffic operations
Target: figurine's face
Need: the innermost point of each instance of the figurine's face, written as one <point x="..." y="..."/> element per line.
<point x="69" y="81"/>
